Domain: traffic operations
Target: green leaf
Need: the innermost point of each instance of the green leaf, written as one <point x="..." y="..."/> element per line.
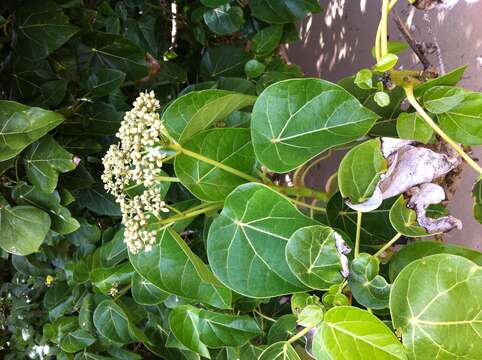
<point x="463" y="123"/>
<point x="62" y="220"/>
<point x="477" y="196"/>
<point x="44" y="160"/>
<point x="265" y="41"/>
<point x="223" y="61"/>
<point x="368" y="288"/>
<point x="107" y="278"/>
<point x="436" y="302"/>
<point x="419" y="249"/>
<point x="231" y="147"/>
<point x="41" y="28"/>
<point x="363" y="79"/>
<point x="382" y="98"/>
<point x="112" y="252"/>
<point x="246" y="242"/>
<point x="175" y="269"/>
<point x="86" y="312"/>
<point x="99" y="118"/>
<point x="198" y="110"/>
<point x="112" y="322"/>
<point x="282" y="12"/>
<point x="198" y="329"/>
<point x="450" y="79"/>
<point x="214" y="3"/>
<point x="253" y="68"/>
<point x="312" y="256"/>
<point x="404" y="219"/>
<point x="311" y="316"/>
<point x="360" y="171"/>
<point x="21" y="125"/>
<point x="411" y="126"/>
<point x="376" y="227"/>
<point x="224" y="19"/>
<point x="352" y="333"/>
<point x="386" y="63"/>
<point x="77" y="340"/>
<point x="103" y="81"/>
<point x="146" y="293"/>
<point x="100" y="50"/>
<point x="97" y="200"/>
<point x="59" y="300"/>
<point x="440" y="99"/>
<point x="295" y="120"/>
<point x="279" y="351"/>
<point x="23" y="228"/>
<point x="282" y="329"/>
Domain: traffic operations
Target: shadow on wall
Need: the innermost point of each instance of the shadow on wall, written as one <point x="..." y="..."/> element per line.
<point x="337" y="43"/>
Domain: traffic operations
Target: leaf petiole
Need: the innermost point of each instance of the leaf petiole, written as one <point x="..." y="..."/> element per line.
<point x="358" y="232"/>
<point x="298" y="336"/>
<point x="388" y="245"/>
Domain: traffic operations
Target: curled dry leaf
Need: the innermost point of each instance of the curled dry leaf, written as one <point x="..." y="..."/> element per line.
<point x="343" y="250"/>
<point x="424" y="196"/>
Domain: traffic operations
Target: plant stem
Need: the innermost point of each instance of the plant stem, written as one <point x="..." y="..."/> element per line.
<point x="122" y="292"/>
<point x="263" y="316"/>
<point x="299" y="335"/>
<point x="190" y="214"/>
<point x="384" y="29"/>
<point x="411" y="99"/>
<point x="215" y="163"/>
<point x="308" y="206"/>
<point x="392" y="241"/>
<point x="301" y="191"/>
<point x="167" y="179"/>
<point x="358" y="232"/>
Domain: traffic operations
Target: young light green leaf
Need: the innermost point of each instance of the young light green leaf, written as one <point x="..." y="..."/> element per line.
<point x="296" y="119"/>
<point x="112" y="322"/>
<point x="436" y="302"/>
<point x="311" y="316"/>
<point x="382" y="98"/>
<point x="174" y="268"/>
<point x="231" y="147"/>
<point x="77" y="340"/>
<point x="146" y="293"/>
<point x="198" y="110"/>
<point x="410" y="126"/>
<point x="404" y="219"/>
<point x="312" y="255"/>
<point x="477" y="196"/>
<point x="282" y="12"/>
<point x="450" y="79"/>
<point x="360" y="171"/>
<point x="440" y="99"/>
<point x="41" y="28"/>
<point x="267" y="40"/>
<point x="224" y="19"/>
<point x="363" y="79"/>
<point x="352" y="333"/>
<point x="463" y="123"/>
<point x="61" y="219"/>
<point x="279" y="351"/>
<point x="246" y="242"/>
<point x="386" y="63"/>
<point x="103" y="81"/>
<point x="23" y="228"/>
<point x="368" y="288"/>
<point x="420" y="249"/>
<point x="198" y="329"/>
<point x="21" y="125"/>
<point x="44" y="160"/>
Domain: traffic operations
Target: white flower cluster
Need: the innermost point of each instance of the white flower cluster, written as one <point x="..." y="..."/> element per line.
<point x="137" y="160"/>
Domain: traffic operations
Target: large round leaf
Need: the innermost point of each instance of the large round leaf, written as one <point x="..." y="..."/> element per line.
<point x="411" y="126"/>
<point x="23" y="228"/>
<point x="352" y="333"/>
<point x="146" y="293"/>
<point x="224" y="19"/>
<point x="174" y="268"/>
<point x="198" y="110"/>
<point x="296" y="119"/>
<point x="312" y="256"/>
<point x="231" y="147"/>
<point x="279" y="351"/>
<point x="360" y="171"/>
<point x="419" y="249"/>
<point x="246" y="242"/>
<point x="436" y="302"/>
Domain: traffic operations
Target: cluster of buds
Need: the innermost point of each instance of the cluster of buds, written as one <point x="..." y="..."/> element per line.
<point x="137" y="160"/>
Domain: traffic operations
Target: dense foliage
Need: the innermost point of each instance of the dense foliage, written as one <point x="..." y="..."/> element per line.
<point x="142" y="214"/>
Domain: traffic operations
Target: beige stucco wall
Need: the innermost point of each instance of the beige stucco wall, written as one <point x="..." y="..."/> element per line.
<point x="338" y="41"/>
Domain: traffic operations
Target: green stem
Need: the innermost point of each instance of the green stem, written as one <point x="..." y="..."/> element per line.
<point x="299" y="335"/>
<point x="308" y="206"/>
<point x="263" y="316"/>
<point x="358" y="232"/>
<point x="302" y="192"/>
<point x="384" y="29"/>
<point x="411" y="99"/>
<point x="212" y="162"/>
<point x="122" y="292"/>
<point x="190" y="214"/>
<point x="388" y="244"/>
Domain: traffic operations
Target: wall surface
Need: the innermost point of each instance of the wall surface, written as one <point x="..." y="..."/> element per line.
<point x="337" y="42"/>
